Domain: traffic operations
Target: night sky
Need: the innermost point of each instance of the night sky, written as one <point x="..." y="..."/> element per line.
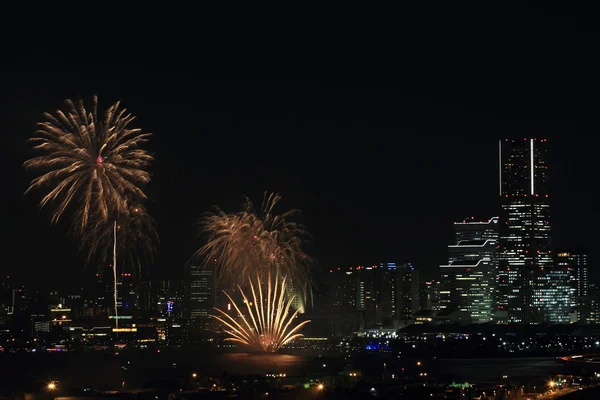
<point x="379" y="123"/>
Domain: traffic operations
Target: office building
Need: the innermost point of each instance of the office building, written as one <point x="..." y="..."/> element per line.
<point x="408" y="295"/>
<point x="200" y="297"/>
<point x="589" y="306"/>
<point x="383" y="296"/>
<point x="430" y="298"/>
<point x="387" y="295"/>
<point x="553" y="292"/>
<point x="576" y="263"/>
<point x="340" y="307"/>
<point x="525" y="230"/>
<point x="469" y="278"/>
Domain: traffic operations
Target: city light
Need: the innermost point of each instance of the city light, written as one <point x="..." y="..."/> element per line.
<point x="51" y="386"/>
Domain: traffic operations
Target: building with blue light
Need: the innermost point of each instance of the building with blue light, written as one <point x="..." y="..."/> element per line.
<point x="387" y="295"/>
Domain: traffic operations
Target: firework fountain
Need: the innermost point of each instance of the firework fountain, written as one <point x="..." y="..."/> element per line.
<point x="250" y="243"/>
<point x="267" y="323"/>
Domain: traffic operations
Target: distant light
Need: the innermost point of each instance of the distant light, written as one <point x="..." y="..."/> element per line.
<point x="51" y="386"/>
<point x="321" y="386"/>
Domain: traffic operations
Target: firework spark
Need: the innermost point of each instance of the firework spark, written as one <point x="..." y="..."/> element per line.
<point x="268" y="323"/>
<point x="97" y="166"/>
<point x="96" y="162"/>
<point x="248" y="243"/>
<point x="136" y="244"/>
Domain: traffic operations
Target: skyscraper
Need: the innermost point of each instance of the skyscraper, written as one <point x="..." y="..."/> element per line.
<point x="407" y="293"/>
<point x="575" y="262"/>
<point x="341" y="309"/>
<point x="525" y="229"/>
<point x="387" y="295"/>
<point x="200" y="297"/>
<point x="589" y="306"/>
<point x="469" y="279"/>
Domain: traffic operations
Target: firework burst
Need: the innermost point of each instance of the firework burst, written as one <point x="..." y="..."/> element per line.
<point x="136" y="244"/>
<point x="268" y="323"/>
<point x="95" y="165"/>
<point x="93" y="161"/>
<point x="250" y="243"/>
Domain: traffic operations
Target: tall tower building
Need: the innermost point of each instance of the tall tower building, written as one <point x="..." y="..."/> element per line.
<point x="469" y="279"/>
<point x="341" y="307"/>
<point x="525" y="230"/>
<point x="200" y="297"/>
<point x="407" y="293"/>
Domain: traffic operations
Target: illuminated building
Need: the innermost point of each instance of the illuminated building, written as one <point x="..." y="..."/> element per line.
<point x="470" y="276"/>
<point x="383" y="296"/>
<point x="97" y="299"/>
<point x="525" y="231"/>
<point x="387" y="295"/>
<point x="553" y="292"/>
<point x="576" y="263"/>
<point x="340" y="308"/>
<point x="200" y="297"/>
<point x="431" y="296"/>
<point x="408" y="296"/>
<point x="5" y="295"/>
<point x="589" y="306"/>
<point x="127" y="300"/>
<point x="61" y="316"/>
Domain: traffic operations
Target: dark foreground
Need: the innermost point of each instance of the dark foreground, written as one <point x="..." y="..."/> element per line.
<point x="176" y="374"/>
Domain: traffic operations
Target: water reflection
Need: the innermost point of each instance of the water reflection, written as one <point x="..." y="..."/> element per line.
<point x="260" y="364"/>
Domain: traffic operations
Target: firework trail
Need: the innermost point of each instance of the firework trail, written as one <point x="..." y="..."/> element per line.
<point x="136" y="244"/>
<point x="268" y="323"/>
<point x="248" y="243"/>
<point x="91" y="164"/>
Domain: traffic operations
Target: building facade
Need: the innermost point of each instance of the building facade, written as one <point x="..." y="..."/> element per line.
<point x="469" y="278"/>
<point x="387" y="295"/>
<point x="383" y="296"/>
<point x="575" y="262"/>
<point x="200" y="298"/>
<point x="525" y="230"/>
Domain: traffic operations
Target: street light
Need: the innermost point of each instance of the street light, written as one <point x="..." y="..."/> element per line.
<point x="194" y="375"/>
<point x="51" y="386"/>
<point x="321" y="386"/>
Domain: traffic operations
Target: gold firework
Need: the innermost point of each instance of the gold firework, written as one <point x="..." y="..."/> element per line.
<point x="250" y="243"/>
<point x="268" y="324"/>
<point x="94" y="161"/>
<point x="137" y="239"/>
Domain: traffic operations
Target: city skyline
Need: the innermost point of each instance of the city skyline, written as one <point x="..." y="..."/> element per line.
<point x="312" y="200"/>
<point x="380" y="165"/>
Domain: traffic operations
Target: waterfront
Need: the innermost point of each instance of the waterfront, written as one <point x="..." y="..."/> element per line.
<point x="128" y="370"/>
